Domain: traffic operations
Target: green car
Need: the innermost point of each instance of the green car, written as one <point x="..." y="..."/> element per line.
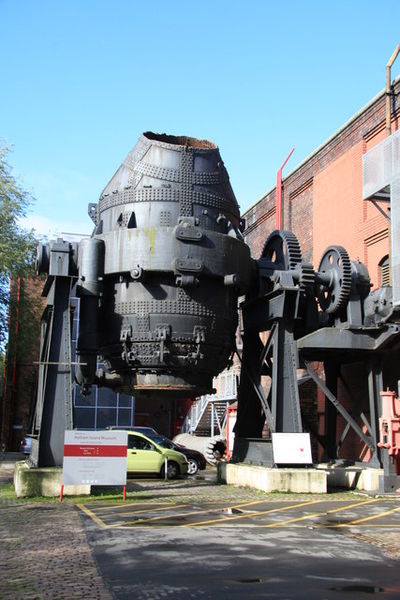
<point x="146" y="456"/>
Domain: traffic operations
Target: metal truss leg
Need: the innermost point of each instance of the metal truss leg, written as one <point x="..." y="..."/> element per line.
<point x="330" y="414"/>
<point x="285" y="391"/>
<point x="341" y="409"/>
<point x="250" y="419"/>
<point x="375" y="386"/>
<point x="54" y="405"/>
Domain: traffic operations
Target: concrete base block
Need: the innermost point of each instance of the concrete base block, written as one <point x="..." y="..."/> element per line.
<point x="46" y="481"/>
<point x="353" y="478"/>
<point x="297" y="481"/>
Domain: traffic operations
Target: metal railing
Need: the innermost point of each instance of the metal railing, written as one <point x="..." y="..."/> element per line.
<point x="213" y="405"/>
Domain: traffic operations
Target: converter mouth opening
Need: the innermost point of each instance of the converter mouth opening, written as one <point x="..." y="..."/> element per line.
<point x="180" y="140"/>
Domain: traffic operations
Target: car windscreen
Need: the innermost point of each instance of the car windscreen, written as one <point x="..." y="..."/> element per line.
<point x="163" y="441"/>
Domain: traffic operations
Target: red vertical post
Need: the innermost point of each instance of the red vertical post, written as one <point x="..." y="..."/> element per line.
<point x="61" y="492"/>
<point x="279" y="191"/>
<point x="124" y="494"/>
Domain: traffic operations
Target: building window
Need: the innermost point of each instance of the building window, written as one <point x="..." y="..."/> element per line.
<point x="384" y="271"/>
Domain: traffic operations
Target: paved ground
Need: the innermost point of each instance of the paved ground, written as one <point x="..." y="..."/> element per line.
<point x="217" y="542"/>
<point x="277" y="513"/>
<point x="44" y="551"/>
<point x="195" y="539"/>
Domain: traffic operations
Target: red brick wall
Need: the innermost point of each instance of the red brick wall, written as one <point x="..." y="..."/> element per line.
<point x="324" y="195"/>
<point x="323" y="205"/>
<point x="22" y="355"/>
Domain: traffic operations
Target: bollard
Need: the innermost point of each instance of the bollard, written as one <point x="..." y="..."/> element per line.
<point x="166" y="469"/>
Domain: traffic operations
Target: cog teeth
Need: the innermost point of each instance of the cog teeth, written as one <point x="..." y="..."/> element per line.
<point x="307" y="277"/>
<point x="279" y="240"/>
<point x="335" y="298"/>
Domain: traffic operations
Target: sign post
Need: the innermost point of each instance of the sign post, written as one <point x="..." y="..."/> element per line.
<point x="94" y="458"/>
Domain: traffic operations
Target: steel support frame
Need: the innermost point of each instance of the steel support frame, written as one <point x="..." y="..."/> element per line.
<point x="54" y="412"/>
<point x="369" y="440"/>
<point x="379" y="457"/>
<point x="278" y="359"/>
<point x="375" y="386"/>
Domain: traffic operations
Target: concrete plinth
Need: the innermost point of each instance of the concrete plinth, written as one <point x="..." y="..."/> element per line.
<point x="297" y="481"/>
<point x="353" y="478"/>
<point x="46" y="481"/>
<point x="302" y="481"/>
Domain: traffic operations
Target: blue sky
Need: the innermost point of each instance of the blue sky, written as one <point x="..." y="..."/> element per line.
<point x="82" y="79"/>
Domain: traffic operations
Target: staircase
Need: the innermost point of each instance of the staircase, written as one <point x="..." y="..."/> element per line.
<point x="207" y="416"/>
<point x="211" y="420"/>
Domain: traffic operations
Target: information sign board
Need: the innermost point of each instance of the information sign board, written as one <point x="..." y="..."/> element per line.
<point x="95" y="457"/>
<point x="291" y="448"/>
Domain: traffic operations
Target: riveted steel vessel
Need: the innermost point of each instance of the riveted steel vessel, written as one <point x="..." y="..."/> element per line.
<point x="172" y="268"/>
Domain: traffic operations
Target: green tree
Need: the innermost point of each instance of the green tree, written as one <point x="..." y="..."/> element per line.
<point x="17" y="245"/>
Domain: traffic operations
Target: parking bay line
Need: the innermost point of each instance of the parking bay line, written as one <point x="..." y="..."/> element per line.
<point x="281" y="523"/>
<point x="91" y="514"/>
<point x="253" y="514"/>
<point x="321" y="514"/>
<point x="226" y="520"/>
<point x="102" y="524"/>
<point x="128" y="504"/>
<point x="197" y="512"/>
<point x="370" y="518"/>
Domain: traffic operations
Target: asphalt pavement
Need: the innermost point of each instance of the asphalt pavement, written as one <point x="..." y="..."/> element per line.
<point x="196" y="539"/>
<point x="223" y="543"/>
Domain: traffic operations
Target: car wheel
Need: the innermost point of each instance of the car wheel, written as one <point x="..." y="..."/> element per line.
<point x="172" y="470"/>
<point x="193" y="466"/>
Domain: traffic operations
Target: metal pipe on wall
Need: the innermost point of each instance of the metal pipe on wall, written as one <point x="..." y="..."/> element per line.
<point x="389" y="90"/>
<point x="279" y="211"/>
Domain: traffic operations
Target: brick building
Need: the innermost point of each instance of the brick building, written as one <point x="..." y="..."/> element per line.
<point x="19" y="377"/>
<point x="323" y="205"/>
<point x="323" y="201"/>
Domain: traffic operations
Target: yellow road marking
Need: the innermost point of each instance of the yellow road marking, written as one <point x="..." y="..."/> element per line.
<point x="189" y="514"/>
<point x="94" y="517"/>
<point x="144" y="510"/>
<point x="128" y="504"/>
<point x="186" y="514"/>
<point x="375" y="526"/>
<point x="352" y="505"/>
<point x="333" y="510"/>
<point x="372" y="517"/>
<point x="149" y="505"/>
<point x="167" y="506"/>
<point x="298" y="518"/>
<point x="197" y="512"/>
<point x="282" y="523"/>
<point x="251" y="526"/>
<point x="200" y="512"/>
<point x="264" y="512"/>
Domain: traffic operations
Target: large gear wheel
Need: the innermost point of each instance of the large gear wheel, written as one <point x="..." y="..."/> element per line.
<point x="283" y="249"/>
<point x="334" y="292"/>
